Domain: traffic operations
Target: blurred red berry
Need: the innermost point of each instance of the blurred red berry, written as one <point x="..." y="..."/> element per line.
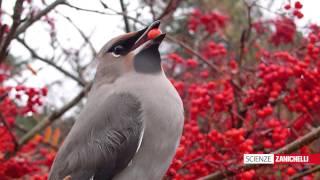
<point x="298" y="5"/>
<point x="287" y="6"/>
<point x="291" y="171"/>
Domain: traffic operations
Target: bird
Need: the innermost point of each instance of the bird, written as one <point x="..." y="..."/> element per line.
<point x="132" y="121"/>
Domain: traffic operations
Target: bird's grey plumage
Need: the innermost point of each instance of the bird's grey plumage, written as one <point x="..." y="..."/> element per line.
<point x="128" y="104"/>
<point x="111" y="132"/>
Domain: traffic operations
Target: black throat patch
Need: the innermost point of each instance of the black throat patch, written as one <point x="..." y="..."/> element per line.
<point x="148" y="60"/>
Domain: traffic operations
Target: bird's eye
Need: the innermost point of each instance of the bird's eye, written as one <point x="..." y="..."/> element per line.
<point x="117" y="51"/>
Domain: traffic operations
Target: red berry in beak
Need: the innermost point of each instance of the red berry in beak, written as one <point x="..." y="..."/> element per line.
<point x="153" y="33"/>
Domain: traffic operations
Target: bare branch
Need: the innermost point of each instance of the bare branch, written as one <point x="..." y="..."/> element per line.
<point x="53" y="116"/>
<point x="189" y="49"/>
<point x="292" y="147"/>
<point x="171" y="7"/>
<point x="120" y="13"/>
<point x="3" y="96"/>
<point x="125" y="19"/>
<point x="65" y="72"/>
<point x="16" y="21"/>
<point x="83" y="35"/>
<point x="87" y="10"/>
<point x="246" y="33"/>
<point x="35" y="18"/>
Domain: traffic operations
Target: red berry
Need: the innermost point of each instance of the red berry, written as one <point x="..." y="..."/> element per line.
<point x="300" y="15"/>
<point x="44" y="91"/>
<point x="267" y="144"/>
<point x="287" y="7"/>
<point x="180" y="152"/>
<point x="298" y="5"/>
<point x="6" y="28"/>
<point x="268" y="110"/>
<point x="153" y="33"/>
<point x="204" y="74"/>
<point x="247" y="175"/>
<point x="291" y="171"/>
<point x="192" y="63"/>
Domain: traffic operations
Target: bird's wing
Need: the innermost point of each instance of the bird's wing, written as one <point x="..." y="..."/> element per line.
<point x="115" y="133"/>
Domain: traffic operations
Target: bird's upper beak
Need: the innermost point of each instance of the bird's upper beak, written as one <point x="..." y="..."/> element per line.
<point x="142" y="36"/>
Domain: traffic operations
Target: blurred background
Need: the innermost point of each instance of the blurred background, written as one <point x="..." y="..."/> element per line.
<point x="247" y="71"/>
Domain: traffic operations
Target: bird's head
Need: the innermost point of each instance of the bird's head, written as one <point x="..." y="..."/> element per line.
<point x="132" y="52"/>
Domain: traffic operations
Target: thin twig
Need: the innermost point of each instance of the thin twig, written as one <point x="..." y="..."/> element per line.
<point x="3" y="96"/>
<point x="125" y="18"/>
<point x="189" y="49"/>
<point x="16" y="22"/>
<point x="65" y="72"/>
<point x="83" y="35"/>
<point x="21" y="128"/>
<point x="170" y="8"/>
<point x="35" y="18"/>
<point x="245" y="36"/>
<point x="191" y="161"/>
<point x="88" y="10"/>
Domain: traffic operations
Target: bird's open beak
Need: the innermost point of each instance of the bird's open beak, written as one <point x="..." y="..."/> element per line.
<point x="143" y="36"/>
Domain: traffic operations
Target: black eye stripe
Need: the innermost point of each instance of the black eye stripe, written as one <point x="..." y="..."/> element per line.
<point x="116" y="46"/>
<point x="118" y="49"/>
<point x="126" y="43"/>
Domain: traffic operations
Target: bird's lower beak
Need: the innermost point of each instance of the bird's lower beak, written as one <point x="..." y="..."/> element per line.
<point x="145" y="38"/>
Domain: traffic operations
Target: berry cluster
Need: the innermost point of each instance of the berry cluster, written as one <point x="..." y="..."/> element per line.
<point x="297" y="9"/>
<point x="285" y="31"/>
<point x="16" y="102"/>
<point x="277" y="98"/>
<point x="211" y="21"/>
<point x="256" y="100"/>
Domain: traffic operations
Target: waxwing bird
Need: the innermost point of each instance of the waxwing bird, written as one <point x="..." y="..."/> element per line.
<point x="132" y="122"/>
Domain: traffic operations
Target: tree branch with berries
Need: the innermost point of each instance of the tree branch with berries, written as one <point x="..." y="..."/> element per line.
<point x="249" y="82"/>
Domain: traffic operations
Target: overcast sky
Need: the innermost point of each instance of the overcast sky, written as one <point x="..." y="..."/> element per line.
<point x="103" y="27"/>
